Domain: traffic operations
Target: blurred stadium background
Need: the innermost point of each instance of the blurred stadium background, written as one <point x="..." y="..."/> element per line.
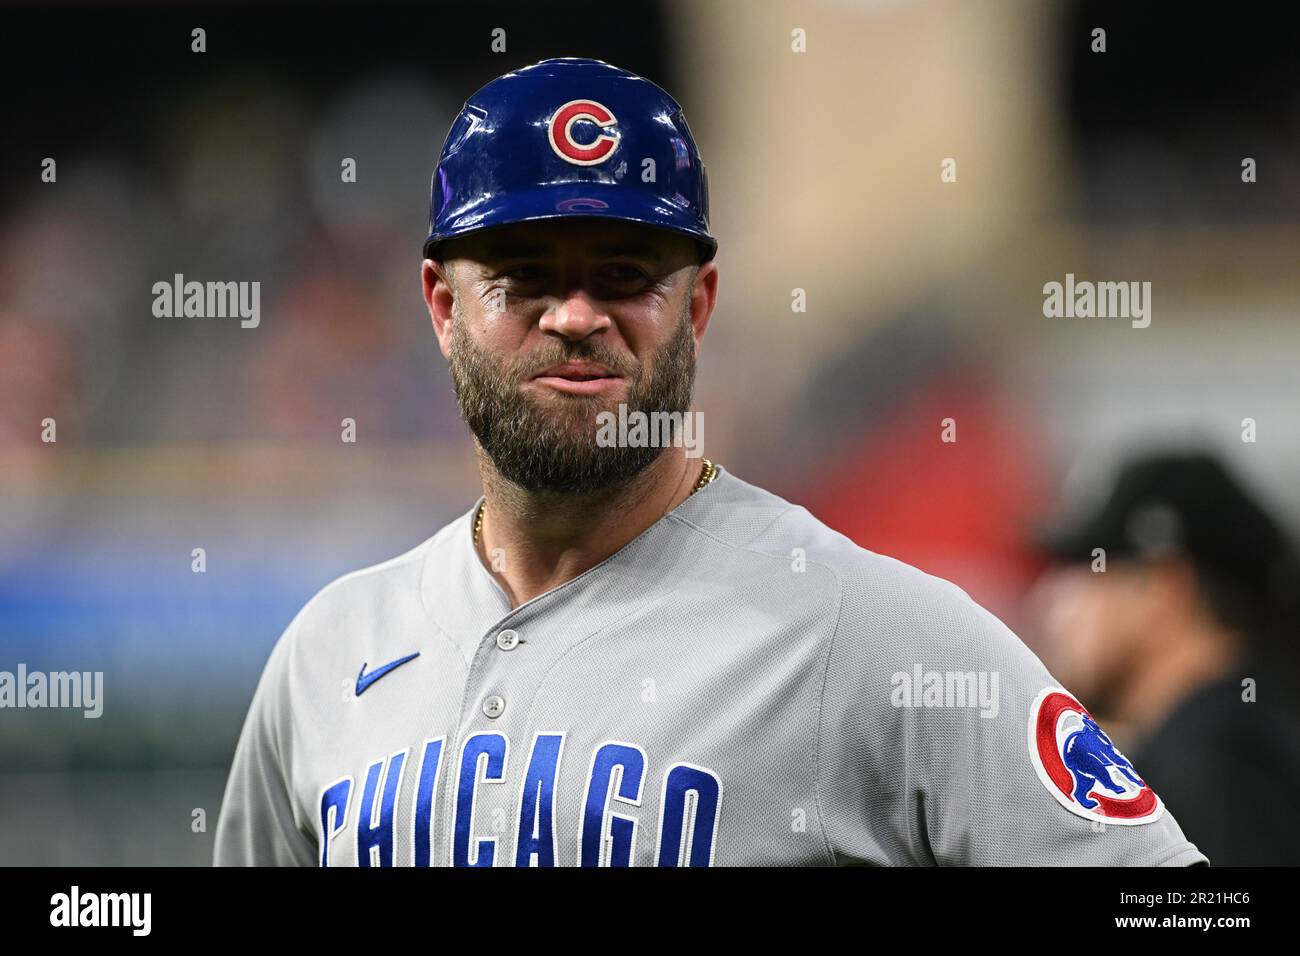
<point x="924" y="302"/>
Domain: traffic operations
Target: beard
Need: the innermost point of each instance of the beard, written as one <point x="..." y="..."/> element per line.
<point x="550" y="445"/>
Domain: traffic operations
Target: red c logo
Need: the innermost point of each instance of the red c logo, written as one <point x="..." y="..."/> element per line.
<point x="560" y="133"/>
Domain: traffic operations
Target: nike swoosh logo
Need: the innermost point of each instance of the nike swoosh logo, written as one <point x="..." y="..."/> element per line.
<point x="364" y="680"/>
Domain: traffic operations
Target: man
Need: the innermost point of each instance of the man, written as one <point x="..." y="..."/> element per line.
<point x="623" y="655"/>
<point x="1172" y="609"/>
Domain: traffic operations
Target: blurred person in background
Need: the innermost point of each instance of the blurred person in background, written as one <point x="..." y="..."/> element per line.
<point x="1179" y="635"/>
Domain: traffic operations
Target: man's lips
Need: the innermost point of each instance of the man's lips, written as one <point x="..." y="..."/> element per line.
<point x="578" y="378"/>
<point x="578" y="371"/>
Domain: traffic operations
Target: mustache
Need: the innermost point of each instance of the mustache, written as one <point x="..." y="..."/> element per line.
<point x="546" y="356"/>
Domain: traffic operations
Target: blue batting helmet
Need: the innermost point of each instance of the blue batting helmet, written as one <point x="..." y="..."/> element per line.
<point x="569" y="137"/>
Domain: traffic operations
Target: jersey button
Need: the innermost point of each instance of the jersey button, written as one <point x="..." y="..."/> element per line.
<point x="507" y="640"/>
<point x="494" y="705"/>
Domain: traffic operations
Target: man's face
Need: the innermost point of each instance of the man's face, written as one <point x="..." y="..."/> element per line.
<point x="547" y="324"/>
<point x="1096" y="626"/>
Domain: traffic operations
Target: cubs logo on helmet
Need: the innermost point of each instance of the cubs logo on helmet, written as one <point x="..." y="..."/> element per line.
<point x="560" y="132"/>
<point x="1081" y="768"/>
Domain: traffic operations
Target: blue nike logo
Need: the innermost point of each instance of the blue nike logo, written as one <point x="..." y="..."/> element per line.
<point x="364" y="680"/>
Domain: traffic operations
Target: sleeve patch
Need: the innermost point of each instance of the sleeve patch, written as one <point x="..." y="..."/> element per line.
<point x="1081" y="768"/>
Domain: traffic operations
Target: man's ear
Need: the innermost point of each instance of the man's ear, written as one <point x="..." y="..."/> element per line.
<point x="704" y="296"/>
<point x="440" y="298"/>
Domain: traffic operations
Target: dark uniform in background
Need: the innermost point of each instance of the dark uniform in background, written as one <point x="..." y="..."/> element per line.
<point x="1227" y="766"/>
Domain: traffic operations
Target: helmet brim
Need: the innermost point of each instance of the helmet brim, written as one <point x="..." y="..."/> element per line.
<point x="568" y="201"/>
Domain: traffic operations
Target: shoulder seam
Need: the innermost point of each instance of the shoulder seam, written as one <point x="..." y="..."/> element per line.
<point x="424" y="571"/>
<point x="688" y="522"/>
<point x="746" y="545"/>
<point x="821" y="692"/>
<point x="821" y="717"/>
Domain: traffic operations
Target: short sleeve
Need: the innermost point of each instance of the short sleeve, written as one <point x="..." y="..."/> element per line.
<point x="257" y="824"/>
<point x="925" y="744"/>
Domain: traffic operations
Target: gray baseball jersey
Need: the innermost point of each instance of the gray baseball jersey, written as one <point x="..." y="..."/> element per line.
<point x="739" y="685"/>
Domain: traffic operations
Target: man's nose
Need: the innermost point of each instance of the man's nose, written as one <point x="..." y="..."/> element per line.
<point x="575" y="317"/>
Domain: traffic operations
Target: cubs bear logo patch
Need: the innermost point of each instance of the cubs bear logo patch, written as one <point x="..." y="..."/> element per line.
<point x="1080" y="766"/>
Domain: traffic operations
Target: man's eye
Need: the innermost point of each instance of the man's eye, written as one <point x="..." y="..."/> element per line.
<point x="624" y="273"/>
<point x="523" y="273"/>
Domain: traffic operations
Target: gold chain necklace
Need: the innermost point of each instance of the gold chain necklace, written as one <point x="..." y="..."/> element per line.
<point x="707" y="474"/>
